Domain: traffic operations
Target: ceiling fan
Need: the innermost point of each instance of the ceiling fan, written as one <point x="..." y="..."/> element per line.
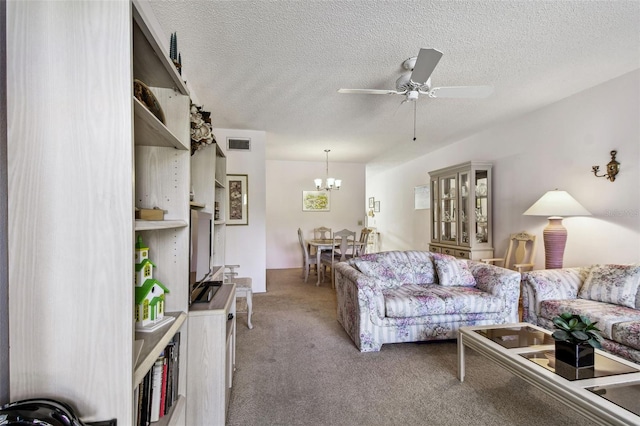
<point x="417" y="81"/>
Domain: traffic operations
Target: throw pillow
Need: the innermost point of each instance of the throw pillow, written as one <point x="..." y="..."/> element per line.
<point x="378" y="270"/>
<point x="617" y="284"/>
<point x="452" y="271"/>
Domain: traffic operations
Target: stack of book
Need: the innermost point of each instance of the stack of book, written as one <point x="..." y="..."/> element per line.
<point x="159" y="388"/>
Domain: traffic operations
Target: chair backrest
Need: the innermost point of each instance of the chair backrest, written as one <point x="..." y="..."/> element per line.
<point x="521" y="250"/>
<point x="322" y="233"/>
<point x="344" y="244"/>
<point x="364" y="240"/>
<point x="305" y="251"/>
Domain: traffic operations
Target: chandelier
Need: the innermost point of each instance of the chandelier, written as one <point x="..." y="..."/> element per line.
<point x="330" y="183"/>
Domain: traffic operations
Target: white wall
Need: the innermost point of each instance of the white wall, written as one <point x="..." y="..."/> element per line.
<point x="285" y="182"/>
<point x="246" y="245"/>
<point x="553" y="147"/>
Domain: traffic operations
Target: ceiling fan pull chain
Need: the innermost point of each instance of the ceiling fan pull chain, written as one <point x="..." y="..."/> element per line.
<point x="415" y="107"/>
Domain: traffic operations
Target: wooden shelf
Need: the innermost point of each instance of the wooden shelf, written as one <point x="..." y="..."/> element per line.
<point x="154" y="343"/>
<point x="219" y="184"/>
<point x="175" y="414"/>
<point x="149" y="131"/>
<point x="152" y="225"/>
<point x="151" y="61"/>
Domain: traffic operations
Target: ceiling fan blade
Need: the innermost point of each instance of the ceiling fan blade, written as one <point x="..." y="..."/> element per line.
<point x="461" y="92"/>
<point x="425" y="64"/>
<point x="369" y="92"/>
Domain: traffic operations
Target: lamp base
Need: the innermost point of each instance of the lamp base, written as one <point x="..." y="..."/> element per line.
<point x="555" y="239"/>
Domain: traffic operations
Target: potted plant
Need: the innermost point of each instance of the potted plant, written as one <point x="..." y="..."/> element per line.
<point x="575" y="338"/>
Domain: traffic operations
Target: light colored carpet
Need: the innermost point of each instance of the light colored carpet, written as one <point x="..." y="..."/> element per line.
<point x="298" y="367"/>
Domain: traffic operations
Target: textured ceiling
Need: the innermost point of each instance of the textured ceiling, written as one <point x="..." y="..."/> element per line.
<point x="277" y="66"/>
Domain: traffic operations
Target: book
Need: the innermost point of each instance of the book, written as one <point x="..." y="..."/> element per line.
<point x="163" y="388"/>
<point x="145" y="399"/>
<point x="156" y="385"/>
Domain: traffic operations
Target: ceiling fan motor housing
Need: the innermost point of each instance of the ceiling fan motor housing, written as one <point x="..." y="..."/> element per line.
<point x="412" y="95"/>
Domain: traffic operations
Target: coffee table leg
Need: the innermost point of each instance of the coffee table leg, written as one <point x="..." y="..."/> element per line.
<point x="460" y="357"/>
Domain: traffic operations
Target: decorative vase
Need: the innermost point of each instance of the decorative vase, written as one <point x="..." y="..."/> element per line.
<point x="575" y="355"/>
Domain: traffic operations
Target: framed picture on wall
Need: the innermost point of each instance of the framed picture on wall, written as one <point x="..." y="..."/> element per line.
<point x="316" y="201"/>
<point x="376" y="207"/>
<point x="238" y="206"/>
<point x="372" y="201"/>
<point x="422" y="197"/>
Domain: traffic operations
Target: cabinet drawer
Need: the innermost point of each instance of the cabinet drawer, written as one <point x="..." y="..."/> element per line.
<point x="449" y="251"/>
<point x="434" y="249"/>
<point x="463" y="254"/>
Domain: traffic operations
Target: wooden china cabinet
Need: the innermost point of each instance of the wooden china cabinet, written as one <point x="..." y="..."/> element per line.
<point x="461" y="216"/>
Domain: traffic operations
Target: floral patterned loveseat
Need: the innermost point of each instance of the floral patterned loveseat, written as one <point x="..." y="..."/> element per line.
<point x="409" y="296"/>
<point x="604" y="293"/>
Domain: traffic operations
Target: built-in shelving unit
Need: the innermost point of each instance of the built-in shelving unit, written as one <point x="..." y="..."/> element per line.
<point x="461" y="214"/>
<point x="96" y="154"/>
<point x="208" y="182"/>
<point x="212" y="353"/>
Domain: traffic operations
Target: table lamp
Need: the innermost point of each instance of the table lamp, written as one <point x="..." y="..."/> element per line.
<point x="555" y="204"/>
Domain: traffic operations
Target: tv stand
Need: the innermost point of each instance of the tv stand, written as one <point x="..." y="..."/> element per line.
<point x="213" y="345"/>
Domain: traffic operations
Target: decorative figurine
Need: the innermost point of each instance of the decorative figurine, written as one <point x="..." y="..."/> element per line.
<point x="149" y="292"/>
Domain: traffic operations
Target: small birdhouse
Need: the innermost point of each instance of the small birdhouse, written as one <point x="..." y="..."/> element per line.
<point x="150" y="302"/>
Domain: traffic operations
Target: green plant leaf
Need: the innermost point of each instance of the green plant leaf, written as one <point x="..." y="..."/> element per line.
<point x="560" y="323"/>
<point x="566" y="316"/>
<point x="561" y="335"/>
<point x="580" y="335"/>
<point x="595" y="343"/>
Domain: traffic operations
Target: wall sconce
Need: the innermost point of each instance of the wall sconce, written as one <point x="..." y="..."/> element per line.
<point x="612" y="168"/>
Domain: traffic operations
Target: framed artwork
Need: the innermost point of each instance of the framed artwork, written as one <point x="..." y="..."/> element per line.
<point x="371" y="202"/>
<point x="316" y="201"/>
<point x="376" y="207"/>
<point x="422" y="197"/>
<point x="238" y="206"/>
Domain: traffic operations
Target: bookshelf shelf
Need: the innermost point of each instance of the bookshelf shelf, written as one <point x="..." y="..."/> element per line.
<point x="149" y="131"/>
<point x="152" y="225"/>
<point x="154" y="343"/>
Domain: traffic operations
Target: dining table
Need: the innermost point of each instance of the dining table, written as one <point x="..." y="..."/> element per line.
<point x="321" y="245"/>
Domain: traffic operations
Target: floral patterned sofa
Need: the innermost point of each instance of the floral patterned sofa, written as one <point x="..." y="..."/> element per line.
<point x="604" y="293"/>
<point x="409" y="296"/>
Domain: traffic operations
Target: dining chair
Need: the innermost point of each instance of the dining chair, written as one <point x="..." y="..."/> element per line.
<point x="307" y="260"/>
<point x="520" y="253"/>
<point x="361" y="248"/>
<point x="322" y="233"/>
<point x="344" y="247"/>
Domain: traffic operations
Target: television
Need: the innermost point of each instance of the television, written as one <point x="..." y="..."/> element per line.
<point x="201" y="289"/>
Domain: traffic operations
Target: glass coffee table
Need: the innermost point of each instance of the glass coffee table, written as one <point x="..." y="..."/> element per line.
<point x="607" y="393"/>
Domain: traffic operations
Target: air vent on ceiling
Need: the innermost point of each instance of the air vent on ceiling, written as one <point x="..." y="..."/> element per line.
<point x="238" y="144"/>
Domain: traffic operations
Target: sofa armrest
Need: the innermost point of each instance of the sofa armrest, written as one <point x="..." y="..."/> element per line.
<point x="549" y="284"/>
<point x="367" y="290"/>
<point x="500" y="282"/>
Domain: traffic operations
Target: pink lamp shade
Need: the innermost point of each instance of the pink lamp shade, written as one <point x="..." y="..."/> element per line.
<point x="555" y="204"/>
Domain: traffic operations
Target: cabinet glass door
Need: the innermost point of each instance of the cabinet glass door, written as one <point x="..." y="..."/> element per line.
<point x="435" y="228"/>
<point x="463" y="215"/>
<point x="482" y="206"/>
<point x="448" y="206"/>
